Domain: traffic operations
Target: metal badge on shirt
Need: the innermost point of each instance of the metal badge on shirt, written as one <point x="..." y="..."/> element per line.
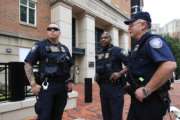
<point x="156" y="43"/>
<point x="100" y="56"/>
<point x="106" y="55"/>
<point x="54" y="49"/>
<point x="136" y="48"/>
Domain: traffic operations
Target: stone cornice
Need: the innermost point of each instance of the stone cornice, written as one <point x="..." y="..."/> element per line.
<point x="98" y="8"/>
<point x="15" y="35"/>
<point x="52" y="2"/>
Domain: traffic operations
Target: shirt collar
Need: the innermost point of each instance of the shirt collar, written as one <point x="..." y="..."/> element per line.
<point x="143" y="38"/>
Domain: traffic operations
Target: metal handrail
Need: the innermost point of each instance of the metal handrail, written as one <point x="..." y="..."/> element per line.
<point x="4" y="89"/>
<point x="4" y="93"/>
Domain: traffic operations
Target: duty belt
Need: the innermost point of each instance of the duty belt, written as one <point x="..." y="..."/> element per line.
<point x="116" y="82"/>
<point x="56" y="80"/>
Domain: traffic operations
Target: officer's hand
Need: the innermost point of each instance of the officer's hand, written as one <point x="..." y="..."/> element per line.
<point x="69" y="86"/>
<point x="139" y="94"/>
<point x="35" y="88"/>
<point x="115" y="76"/>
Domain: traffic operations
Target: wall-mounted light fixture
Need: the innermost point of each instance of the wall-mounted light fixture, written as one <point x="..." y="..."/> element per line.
<point x="8" y="50"/>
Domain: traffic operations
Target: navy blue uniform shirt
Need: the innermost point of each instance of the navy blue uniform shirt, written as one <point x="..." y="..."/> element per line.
<point x="39" y="52"/>
<point x="149" y="52"/>
<point x="109" y="60"/>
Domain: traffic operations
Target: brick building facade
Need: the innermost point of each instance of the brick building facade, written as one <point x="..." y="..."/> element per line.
<point x="23" y="22"/>
<point x="172" y="28"/>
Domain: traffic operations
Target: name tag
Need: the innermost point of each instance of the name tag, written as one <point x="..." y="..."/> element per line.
<point x="54" y="49"/>
<point x="100" y="56"/>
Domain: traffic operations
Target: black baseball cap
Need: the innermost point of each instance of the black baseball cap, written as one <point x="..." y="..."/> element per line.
<point x="140" y="15"/>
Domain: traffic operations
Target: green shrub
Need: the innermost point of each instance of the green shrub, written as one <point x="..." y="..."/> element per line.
<point x="175" y="46"/>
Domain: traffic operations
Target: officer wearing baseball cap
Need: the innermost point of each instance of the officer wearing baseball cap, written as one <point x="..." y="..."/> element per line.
<point x="140" y="15"/>
<point x="150" y="65"/>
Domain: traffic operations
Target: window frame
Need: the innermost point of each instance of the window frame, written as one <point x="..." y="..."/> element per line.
<point x="27" y="13"/>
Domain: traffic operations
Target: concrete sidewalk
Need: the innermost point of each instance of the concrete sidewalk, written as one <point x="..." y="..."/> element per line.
<point x="92" y="111"/>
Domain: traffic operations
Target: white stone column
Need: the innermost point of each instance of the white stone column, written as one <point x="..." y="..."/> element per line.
<point x="124" y="40"/>
<point x="61" y="14"/>
<point x="86" y="30"/>
<point x="115" y="36"/>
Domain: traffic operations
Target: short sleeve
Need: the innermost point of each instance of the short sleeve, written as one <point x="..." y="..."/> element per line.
<point x="159" y="50"/>
<point x="33" y="55"/>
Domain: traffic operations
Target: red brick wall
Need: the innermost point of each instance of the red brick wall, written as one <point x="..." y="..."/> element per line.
<point x="9" y="19"/>
<point x="123" y="5"/>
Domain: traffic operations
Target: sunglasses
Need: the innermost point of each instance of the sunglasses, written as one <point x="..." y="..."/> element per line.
<point x="105" y="37"/>
<point x="53" y="28"/>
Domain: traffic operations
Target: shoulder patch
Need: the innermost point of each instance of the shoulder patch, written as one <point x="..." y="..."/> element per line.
<point x="156" y="43"/>
<point x="34" y="48"/>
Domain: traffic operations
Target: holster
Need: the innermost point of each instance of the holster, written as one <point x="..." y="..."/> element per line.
<point x="164" y="97"/>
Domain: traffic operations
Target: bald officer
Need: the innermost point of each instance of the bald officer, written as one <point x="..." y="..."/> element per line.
<point x="54" y="69"/>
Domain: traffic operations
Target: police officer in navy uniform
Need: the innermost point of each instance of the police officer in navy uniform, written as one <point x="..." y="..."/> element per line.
<point x="108" y="66"/>
<point x="55" y="80"/>
<point x="150" y="65"/>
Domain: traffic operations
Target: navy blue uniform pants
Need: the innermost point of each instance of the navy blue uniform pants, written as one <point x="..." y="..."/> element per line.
<point x="151" y="109"/>
<point x="51" y="102"/>
<point x="112" y="101"/>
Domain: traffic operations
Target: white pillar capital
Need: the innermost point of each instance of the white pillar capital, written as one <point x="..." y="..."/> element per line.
<point x="124" y="40"/>
<point x="114" y="35"/>
<point x="87" y="40"/>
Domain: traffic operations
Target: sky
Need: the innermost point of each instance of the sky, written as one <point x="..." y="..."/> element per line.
<point x="162" y="11"/>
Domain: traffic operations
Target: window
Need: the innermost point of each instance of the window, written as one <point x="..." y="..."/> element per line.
<point x="28" y="12"/>
<point x="73" y="32"/>
<point x="98" y="33"/>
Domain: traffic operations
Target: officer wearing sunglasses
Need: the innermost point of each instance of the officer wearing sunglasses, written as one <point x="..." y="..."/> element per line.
<point x="54" y="81"/>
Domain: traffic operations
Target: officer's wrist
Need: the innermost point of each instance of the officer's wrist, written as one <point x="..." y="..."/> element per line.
<point x="120" y="73"/>
<point x="33" y="83"/>
<point x="146" y="91"/>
